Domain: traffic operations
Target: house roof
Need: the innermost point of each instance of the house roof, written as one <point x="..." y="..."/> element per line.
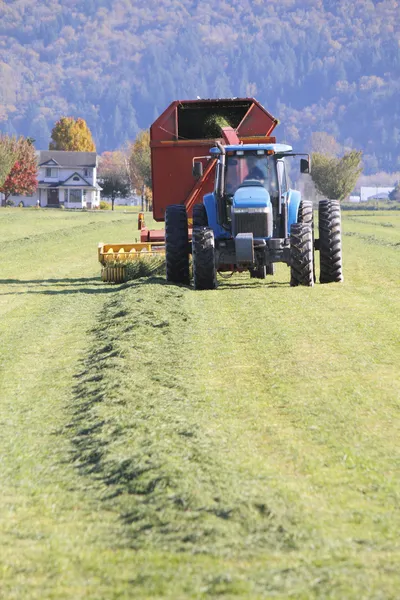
<point x="68" y="159"/>
<point x="61" y="184"/>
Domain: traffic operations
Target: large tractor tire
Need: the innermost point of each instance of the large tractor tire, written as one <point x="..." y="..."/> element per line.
<point x="305" y="214"/>
<point x="199" y="216"/>
<point x="330" y="241"/>
<point x="203" y="252"/>
<point x="177" y="244"/>
<point x="301" y="255"/>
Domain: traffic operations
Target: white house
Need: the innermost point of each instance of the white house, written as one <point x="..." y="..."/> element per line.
<point x="375" y="193"/>
<point x="65" y="179"/>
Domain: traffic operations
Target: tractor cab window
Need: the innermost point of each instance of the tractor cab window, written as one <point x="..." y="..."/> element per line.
<point x="251" y="166"/>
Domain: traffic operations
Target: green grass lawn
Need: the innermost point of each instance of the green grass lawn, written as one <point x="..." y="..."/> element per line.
<point x="163" y="443"/>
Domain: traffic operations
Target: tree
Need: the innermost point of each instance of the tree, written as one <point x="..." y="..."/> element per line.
<point x="22" y="178"/>
<point x="333" y="177"/>
<point x="72" y="134"/>
<point x="140" y="165"/>
<point x="113" y="176"/>
<point x="8" y="155"/>
<point x="323" y="143"/>
<point x="395" y="194"/>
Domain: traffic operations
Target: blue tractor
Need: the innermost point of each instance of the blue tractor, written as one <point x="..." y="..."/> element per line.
<point x="251" y="221"/>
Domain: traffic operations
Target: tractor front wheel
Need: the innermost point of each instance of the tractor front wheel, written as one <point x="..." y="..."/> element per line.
<point x="199" y="216"/>
<point x="177" y="244"/>
<point x="203" y="253"/>
<point x="301" y="255"/>
<point x="330" y="241"/>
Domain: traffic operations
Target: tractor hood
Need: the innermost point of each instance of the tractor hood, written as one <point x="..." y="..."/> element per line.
<point x="250" y="197"/>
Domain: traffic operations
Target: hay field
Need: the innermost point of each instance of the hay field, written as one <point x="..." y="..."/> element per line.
<point x="163" y="443"/>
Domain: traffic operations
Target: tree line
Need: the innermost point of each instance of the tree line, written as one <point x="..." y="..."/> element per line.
<point x="129" y="168"/>
<point x="120" y="172"/>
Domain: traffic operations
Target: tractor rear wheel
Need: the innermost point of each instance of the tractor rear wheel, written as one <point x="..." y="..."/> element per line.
<point x="203" y="252"/>
<point x="330" y="241"/>
<point x="306" y="215"/>
<point x="199" y="216"/>
<point x="301" y="255"/>
<point x="177" y="244"/>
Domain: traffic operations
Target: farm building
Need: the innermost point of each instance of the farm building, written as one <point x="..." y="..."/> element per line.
<point x="65" y="179"/>
<point x="375" y="193"/>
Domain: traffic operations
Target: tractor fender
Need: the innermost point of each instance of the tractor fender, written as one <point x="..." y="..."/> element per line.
<point x="293" y="202"/>
<point x="210" y="203"/>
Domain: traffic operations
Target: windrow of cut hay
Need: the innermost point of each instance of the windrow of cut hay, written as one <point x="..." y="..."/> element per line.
<point x="142" y="429"/>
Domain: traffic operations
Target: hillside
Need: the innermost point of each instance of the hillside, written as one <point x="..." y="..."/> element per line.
<point x="315" y="64"/>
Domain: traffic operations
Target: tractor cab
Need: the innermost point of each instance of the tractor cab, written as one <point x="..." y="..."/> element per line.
<point x="250" y="185"/>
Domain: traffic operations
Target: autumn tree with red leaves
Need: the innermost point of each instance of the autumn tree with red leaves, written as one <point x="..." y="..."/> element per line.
<point x="22" y="178"/>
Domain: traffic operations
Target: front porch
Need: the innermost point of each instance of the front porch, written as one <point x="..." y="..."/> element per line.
<point x="69" y="197"/>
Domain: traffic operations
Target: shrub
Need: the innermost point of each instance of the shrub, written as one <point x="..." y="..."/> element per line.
<point x="104" y="205"/>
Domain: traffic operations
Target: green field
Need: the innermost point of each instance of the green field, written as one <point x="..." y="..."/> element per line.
<point x="158" y="442"/>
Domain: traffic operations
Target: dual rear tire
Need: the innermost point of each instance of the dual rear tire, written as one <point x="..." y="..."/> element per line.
<point x="177" y="244"/>
<point x="330" y="244"/>
<point x="177" y="248"/>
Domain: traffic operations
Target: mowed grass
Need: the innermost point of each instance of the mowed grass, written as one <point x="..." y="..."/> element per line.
<point x="163" y="443"/>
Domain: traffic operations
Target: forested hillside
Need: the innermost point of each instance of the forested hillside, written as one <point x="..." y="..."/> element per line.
<point x="317" y="65"/>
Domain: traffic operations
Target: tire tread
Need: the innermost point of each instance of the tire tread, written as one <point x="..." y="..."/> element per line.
<point x="330" y="241"/>
<point x="177" y="244"/>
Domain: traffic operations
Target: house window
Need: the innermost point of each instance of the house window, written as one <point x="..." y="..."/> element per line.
<point x="76" y="178"/>
<point x="84" y="194"/>
<point x="51" y="172"/>
<point x="75" y="196"/>
<point x="65" y="195"/>
<point x="86" y="172"/>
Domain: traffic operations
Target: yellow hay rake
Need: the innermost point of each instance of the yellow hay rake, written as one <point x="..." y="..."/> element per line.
<point x="115" y="257"/>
